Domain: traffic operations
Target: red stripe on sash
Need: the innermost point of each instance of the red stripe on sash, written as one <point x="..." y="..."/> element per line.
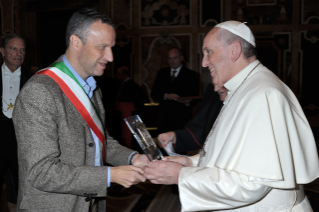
<point x="78" y="105"/>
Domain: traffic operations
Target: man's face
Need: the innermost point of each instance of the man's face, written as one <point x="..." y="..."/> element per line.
<point x="97" y="51"/>
<point x="222" y="92"/>
<point x="216" y="57"/>
<point x="120" y="75"/>
<point x="13" y="54"/>
<point x="174" y="58"/>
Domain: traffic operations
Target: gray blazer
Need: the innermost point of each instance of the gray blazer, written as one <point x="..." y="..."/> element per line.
<point x="56" y="151"/>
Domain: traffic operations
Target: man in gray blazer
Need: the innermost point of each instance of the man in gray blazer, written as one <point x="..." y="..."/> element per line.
<point x="60" y="153"/>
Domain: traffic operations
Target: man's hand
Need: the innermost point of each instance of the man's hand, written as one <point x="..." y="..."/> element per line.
<point x="184" y="101"/>
<point x="171" y="96"/>
<point x="185" y="161"/>
<point x="127" y="175"/>
<point x="139" y="160"/>
<point x="163" y="172"/>
<point x="165" y="138"/>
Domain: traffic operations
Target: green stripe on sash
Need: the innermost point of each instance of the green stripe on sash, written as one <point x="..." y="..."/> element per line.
<point x="62" y="67"/>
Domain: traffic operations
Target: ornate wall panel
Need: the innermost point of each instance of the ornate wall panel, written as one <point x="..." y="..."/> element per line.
<point x="159" y="13"/>
<point x="210" y="12"/>
<point x="7" y="16"/>
<point x="122" y="53"/>
<point x="154" y="51"/>
<point x="122" y="13"/>
<point x="262" y="11"/>
<point x="309" y="11"/>
<point x="309" y="68"/>
<point x="274" y="51"/>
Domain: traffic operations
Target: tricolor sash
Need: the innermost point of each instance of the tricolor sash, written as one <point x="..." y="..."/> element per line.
<point x="71" y="87"/>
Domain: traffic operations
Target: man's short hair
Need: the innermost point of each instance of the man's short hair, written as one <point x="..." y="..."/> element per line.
<point x="5" y="39"/>
<point x="228" y="38"/>
<point x="81" y="21"/>
<point x="125" y="70"/>
<point x="180" y="52"/>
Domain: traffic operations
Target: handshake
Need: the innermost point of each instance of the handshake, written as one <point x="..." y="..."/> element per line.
<point x="164" y="171"/>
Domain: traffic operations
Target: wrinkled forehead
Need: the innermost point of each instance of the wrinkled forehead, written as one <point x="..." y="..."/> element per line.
<point x="211" y="38"/>
<point x="15" y="42"/>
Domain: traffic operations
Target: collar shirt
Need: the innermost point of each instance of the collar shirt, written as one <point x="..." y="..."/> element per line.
<point x="177" y="71"/>
<point x="261" y="141"/>
<point x="89" y="86"/>
<point x="10" y="89"/>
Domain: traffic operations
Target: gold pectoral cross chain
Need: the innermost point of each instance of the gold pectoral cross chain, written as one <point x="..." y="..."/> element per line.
<point x="10" y="106"/>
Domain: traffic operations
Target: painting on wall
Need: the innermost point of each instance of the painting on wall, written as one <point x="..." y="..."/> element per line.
<point x="259" y="12"/>
<point x="159" y="13"/>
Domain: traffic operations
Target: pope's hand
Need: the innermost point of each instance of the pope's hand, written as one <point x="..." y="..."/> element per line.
<point x="127" y="175"/>
<point x="163" y="172"/>
<point x="185" y="161"/>
<point x="165" y="138"/>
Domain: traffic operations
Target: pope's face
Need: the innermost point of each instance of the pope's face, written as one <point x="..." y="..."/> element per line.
<point x="222" y="92"/>
<point x="174" y="59"/>
<point x="216" y="58"/>
<point x="97" y="51"/>
<point x="13" y="54"/>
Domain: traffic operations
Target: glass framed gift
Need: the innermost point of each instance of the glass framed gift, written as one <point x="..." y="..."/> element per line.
<point x="143" y="137"/>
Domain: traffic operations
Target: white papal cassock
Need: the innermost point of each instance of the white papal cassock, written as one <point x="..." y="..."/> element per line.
<point x="260" y="153"/>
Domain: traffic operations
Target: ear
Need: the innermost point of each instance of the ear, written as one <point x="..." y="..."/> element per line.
<point x="2" y="51"/>
<point x="75" y="43"/>
<point x="235" y="51"/>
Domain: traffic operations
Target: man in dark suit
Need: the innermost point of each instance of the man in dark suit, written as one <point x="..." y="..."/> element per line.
<point x="194" y="134"/>
<point x="171" y="85"/>
<point x="59" y="122"/>
<point x="129" y="102"/>
<point x="12" y="78"/>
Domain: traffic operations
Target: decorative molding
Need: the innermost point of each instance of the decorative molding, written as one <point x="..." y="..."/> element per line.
<point x="312" y="36"/>
<point x="314" y="9"/>
<point x="210" y="20"/>
<point x="260" y="2"/>
<point x="183" y="13"/>
<point x="116" y="17"/>
<point x="306" y="62"/>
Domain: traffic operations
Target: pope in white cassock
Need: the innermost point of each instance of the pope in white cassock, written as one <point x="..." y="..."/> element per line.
<point x="260" y="150"/>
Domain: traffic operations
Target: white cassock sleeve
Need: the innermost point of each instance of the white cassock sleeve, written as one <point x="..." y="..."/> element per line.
<point x="216" y="189"/>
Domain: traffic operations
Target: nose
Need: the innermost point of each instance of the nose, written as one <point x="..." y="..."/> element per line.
<point x="20" y="52"/>
<point x="109" y="55"/>
<point x="205" y="62"/>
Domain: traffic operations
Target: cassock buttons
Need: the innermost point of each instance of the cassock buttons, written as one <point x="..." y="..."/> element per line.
<point x="91" y="144"/>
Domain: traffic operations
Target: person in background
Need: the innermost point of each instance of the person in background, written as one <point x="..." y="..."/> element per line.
<point x="193" y="136"/>
<point x="129" y="102"/>
<point x="12" y="78"/>
<point x="171" y="84"/>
